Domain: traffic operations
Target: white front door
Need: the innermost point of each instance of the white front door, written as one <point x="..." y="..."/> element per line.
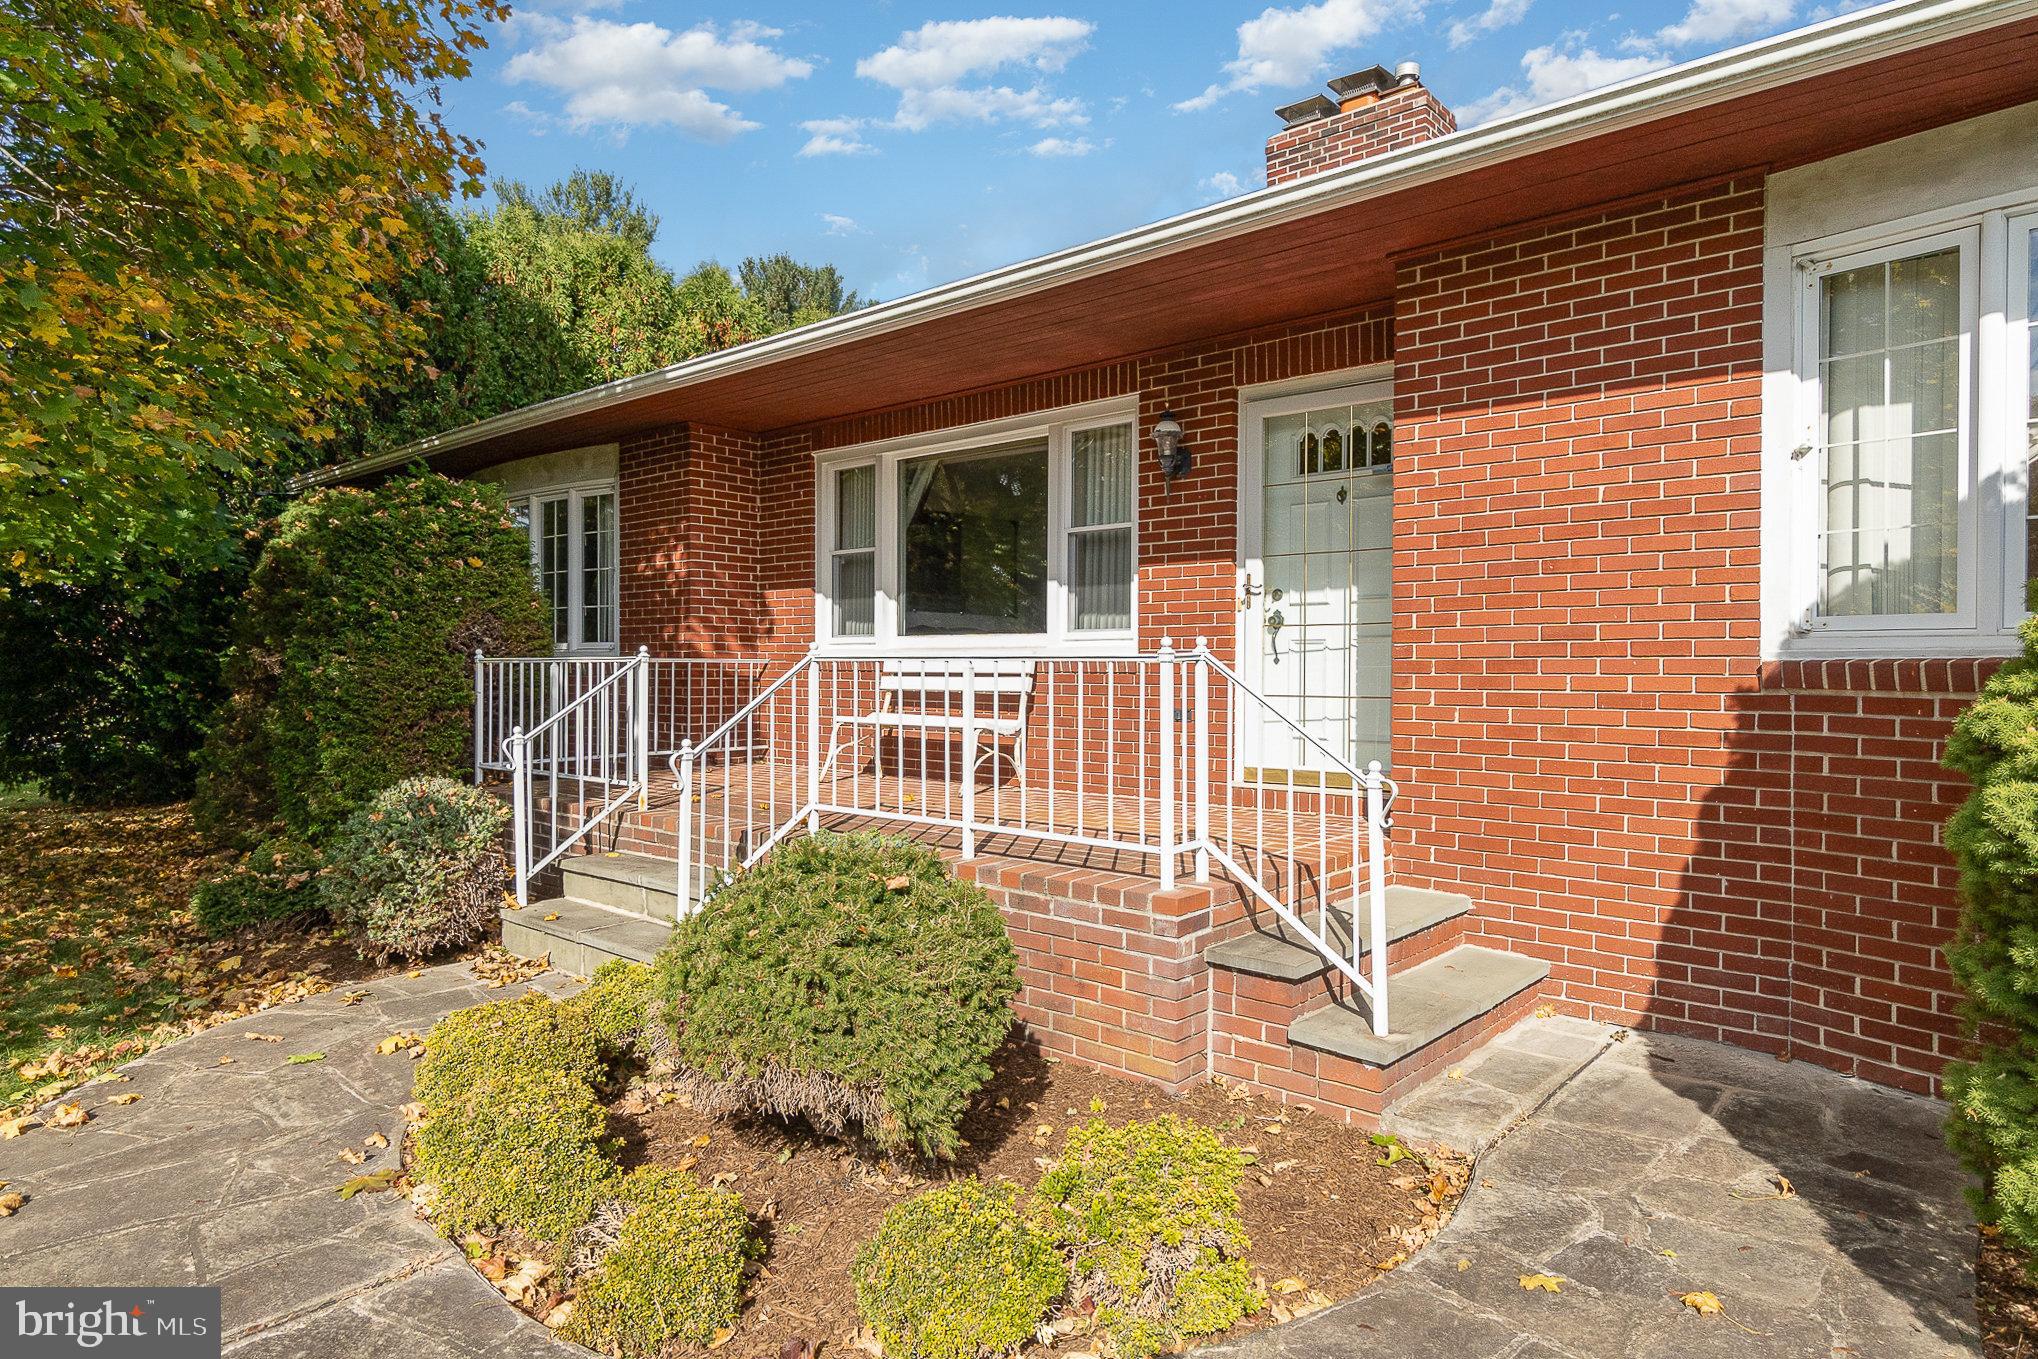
<point x="1317" y="496"/>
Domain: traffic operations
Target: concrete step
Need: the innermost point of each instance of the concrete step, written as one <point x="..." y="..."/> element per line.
<point x="1279" y="954"/>
<point x="582" y="936"/>
<point x="641" y="884"/>
<point x="1425" y="1003"/>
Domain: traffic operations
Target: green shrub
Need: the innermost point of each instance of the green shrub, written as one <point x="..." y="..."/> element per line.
<point x="418" y="868"/>
<point x="846" y="980"/>
<point x="1994" y="955"/>
<point x="353" y="662"/>
<point x="957" y="1273"/>
<point x="670" y="1254"/>
<point x="524" y="1148"/>
<point x="617" y="1003"/>
<point x="1149" y="1217"/>
<point x="528" y="1033"/>
<point x="277" y="880"/>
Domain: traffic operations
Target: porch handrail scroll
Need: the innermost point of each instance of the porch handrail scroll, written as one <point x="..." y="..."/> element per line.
<point x="1146" y="759"/>
<point x="594" y="747"/>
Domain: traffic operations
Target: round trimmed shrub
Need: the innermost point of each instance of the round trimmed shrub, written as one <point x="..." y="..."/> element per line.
<point x="277" y="880"/>
<point x="849" y="981"/>
<point x="1149" y="1219"/>
<point x="673" y="1270"/>
<point x="957" y="1273"/>
<point x="523" y="1148"/>
<point x="527" y="1033"/>
<point x="418" y="869"/>
<point x="617" y="1002"/>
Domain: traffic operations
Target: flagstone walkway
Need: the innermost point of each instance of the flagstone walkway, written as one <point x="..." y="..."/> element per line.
<point x="1649" y="1174"/>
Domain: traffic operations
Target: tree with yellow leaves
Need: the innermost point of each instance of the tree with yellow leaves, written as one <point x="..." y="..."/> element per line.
<point x="203" y="204"/>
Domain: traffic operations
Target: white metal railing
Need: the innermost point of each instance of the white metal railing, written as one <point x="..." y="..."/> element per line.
<point x="592" y="758"/>
<point x="1141" y="755"/>
<point x="685" y="696"/>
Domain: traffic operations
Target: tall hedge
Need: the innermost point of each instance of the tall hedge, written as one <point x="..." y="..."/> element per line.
<point x="1994" y="956"/>
<point x="353" y="665"/>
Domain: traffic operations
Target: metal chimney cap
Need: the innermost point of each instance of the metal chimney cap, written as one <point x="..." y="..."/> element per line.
<point x="1372" y="80"/>
<point x="1305" y="110"/>
<point x="1408" y="73"/>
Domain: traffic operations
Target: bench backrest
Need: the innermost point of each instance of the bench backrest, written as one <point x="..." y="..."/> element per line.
<point x="946" y="677"/>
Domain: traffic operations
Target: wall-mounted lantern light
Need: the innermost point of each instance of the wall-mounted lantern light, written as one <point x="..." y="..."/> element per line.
<point x="1167" y="446"/>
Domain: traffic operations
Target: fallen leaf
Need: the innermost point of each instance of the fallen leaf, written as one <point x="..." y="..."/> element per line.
<point x="899" y="883"/>
<point x="232" y="964"/>
<point x="1290" y="1285"/>
<point x="1456" y="1073"/>
<point x="1464" y="1265"/>
<point x="15" y="1127"/>
<point x="263" y="1037"/>
<point x="375" y="1139"/>
<point x="374" y="1182"/>
<point x="128" y="1098"/>
<point x="552" y="915"/>
<point x="722" y="1334"/>
<point x="226" y="1061"/>
<point x="560" y="1315"/>
<point x="303" y="1058"/>
<point x="70" y="1116"/>
<point x="352" y="1157"/>
<point x="1706" y="1304"/>
<point x="703" y="1140"/>
<point x="1548" y="1283"/>
<point x="395" y="1043"/>
<point x="796" y="1348"/>
<point x="10" y="1203"/>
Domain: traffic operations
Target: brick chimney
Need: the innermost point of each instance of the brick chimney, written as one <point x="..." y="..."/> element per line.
<point x="1375" y="111"/>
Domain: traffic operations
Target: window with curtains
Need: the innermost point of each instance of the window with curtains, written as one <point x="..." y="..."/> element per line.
<point x="574" y="559"/>
<point x="1915" y="441"/>
<point x="1027" y="535"/>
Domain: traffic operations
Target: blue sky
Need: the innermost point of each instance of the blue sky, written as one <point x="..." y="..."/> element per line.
<point x="910" y="144"/>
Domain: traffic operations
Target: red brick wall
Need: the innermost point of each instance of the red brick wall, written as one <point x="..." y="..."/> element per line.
<point x="1590" y="745"/>
<point x="1399" y="118"/>
<point x="687" y="525"/>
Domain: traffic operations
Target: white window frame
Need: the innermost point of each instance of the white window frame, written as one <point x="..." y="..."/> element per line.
<point x="575" y="495"/>
<point x="1059" y="638"/>
<point x="1990" y="571"/>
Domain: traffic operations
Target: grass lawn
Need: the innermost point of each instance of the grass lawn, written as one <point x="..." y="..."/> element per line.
<point x="98" y="958"/>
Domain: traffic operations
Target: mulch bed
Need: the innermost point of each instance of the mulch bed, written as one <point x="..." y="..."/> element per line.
<point x="1325" y="1218"/>
<point x="2005" y="1300"/>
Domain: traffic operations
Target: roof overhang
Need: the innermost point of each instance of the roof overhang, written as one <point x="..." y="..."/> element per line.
<point x="1320" y="245"/>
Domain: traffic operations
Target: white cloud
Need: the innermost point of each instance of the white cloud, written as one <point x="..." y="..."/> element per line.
<point x="835" y="137"/>
<point x="920" y="109"/>
<point x="943" y="53"/>
<point x="1063" y="146"/>
<point x="838" y="225"/>
<point x="929" y="66"/>
<point x="1223" y="184"/>
<point x="1713" y="22"/>
<point x="1557" y="73"/>
<point x="638" y="75"/>
<point x="1288" y="46"/>
<point x="1496" y="16"/>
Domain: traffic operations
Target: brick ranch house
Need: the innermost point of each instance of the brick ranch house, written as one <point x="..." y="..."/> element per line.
<point x="1640" y="480"/>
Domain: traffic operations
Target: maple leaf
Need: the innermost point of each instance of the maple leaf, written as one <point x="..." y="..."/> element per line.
<point x="70" y="1116"/>
<point x="1548" y="1283"/>
<point x="1705" y="1303"/>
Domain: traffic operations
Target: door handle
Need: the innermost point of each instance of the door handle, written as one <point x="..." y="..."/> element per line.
<point x="1247" y="593"/>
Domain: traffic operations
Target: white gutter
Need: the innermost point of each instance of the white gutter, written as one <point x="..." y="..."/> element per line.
<point x="1835" y="44"/>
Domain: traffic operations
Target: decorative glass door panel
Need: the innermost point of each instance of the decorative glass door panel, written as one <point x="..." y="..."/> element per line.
<point x="1317" y="608"/>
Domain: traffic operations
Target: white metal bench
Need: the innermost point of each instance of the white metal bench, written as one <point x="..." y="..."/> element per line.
<point x="1004" y="699"/>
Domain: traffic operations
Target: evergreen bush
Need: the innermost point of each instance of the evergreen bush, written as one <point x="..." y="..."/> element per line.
<point x="661" y="1263"/>
<point x="1149" y="1219"/>
<point x="850" y="981"/>
<point x="1994" y="956"/>
<point x="418" y="868"/>
<point x="617" y="1002"/>
<point x="511" y="1132"/>
<point x="353" y="666"/>
<point x="277" y="880"/>
<point x="957" y="1273"/>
